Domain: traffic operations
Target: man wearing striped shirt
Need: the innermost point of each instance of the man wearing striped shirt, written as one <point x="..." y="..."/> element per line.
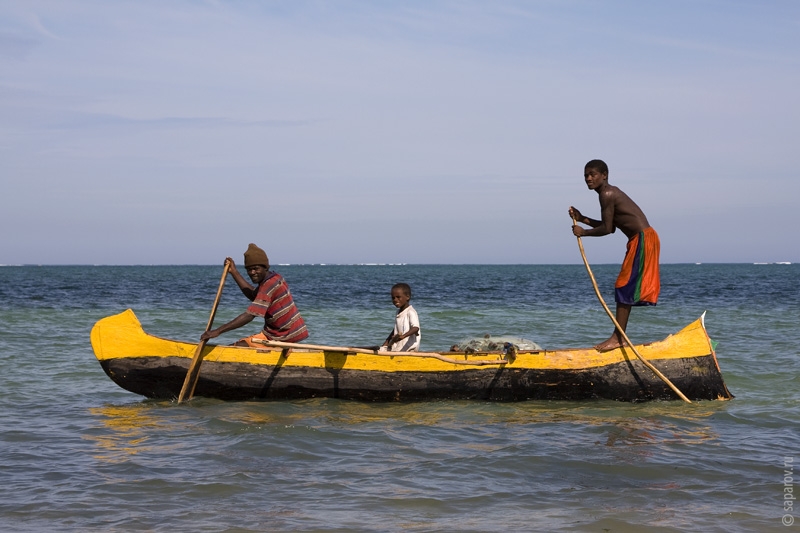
<point x="270" y="299"/>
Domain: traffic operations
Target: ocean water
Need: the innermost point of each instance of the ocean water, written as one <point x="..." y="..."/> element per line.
<point x="77" y="453"/>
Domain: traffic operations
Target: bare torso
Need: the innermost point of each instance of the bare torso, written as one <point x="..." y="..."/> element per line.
<point x="619" y="211"/>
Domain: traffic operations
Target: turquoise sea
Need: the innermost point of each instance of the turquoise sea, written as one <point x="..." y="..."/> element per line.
<point x="77" y="453"/>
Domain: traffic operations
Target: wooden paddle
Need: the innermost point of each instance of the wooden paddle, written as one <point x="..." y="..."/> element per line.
<point x="193" y="373"/>
<point x="619" y="328"/>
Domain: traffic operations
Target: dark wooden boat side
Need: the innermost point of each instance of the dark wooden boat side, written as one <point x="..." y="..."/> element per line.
<point x="157" y="377"/>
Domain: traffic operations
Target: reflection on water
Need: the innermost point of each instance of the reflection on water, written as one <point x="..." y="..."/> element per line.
<point x="129" y="427"/>
<point x="656" y="431"/>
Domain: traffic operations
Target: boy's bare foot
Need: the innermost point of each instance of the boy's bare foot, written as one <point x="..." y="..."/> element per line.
<point x="613" y="342"/>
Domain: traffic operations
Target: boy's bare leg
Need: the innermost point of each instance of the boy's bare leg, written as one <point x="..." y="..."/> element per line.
<point x="616" y="340"/>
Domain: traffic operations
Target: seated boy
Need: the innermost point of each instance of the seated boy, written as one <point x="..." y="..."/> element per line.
<point x="405" y="336"/>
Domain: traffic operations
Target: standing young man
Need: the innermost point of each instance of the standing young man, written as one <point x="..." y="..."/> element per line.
<point x="638" y="282"/>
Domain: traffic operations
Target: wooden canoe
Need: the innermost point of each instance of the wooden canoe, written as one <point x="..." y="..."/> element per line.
<point x="155" y="368"/>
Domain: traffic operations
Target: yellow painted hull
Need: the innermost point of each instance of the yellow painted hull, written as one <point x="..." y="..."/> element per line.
<point x="156" y="367"/>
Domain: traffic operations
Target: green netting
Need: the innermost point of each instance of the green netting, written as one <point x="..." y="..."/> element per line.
<point x="489" y="343"/>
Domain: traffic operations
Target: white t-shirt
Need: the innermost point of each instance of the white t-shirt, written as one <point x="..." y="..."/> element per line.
<point x="404" y="321"/>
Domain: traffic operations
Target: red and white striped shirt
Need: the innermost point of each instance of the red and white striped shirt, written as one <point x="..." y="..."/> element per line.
<point x="274" y="302"/>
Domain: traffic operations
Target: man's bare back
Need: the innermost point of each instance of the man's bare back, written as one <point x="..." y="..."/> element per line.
<point x="624" y="213"/>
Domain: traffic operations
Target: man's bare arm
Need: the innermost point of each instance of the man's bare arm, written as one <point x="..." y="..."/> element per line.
<point x="239" y="321"/>
<point x="248" y="290"/>
<point x="605" y="225"/>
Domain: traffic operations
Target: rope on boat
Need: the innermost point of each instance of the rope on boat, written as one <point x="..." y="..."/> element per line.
<point x="346" y="349"/>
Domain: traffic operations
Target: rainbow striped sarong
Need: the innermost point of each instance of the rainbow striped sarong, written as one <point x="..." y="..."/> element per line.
<point x="638" y="282"/>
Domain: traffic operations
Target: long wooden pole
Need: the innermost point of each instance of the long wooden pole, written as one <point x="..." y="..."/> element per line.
<point x="192" y="375"/>
<point x="347" y="349"/>
<point x="619" y="328"/>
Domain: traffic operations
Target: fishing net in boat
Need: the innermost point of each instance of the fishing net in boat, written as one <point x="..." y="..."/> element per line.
<point x="489" y="343"/>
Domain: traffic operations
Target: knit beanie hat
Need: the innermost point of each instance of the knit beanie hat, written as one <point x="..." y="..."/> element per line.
<point x="255" y="256"/>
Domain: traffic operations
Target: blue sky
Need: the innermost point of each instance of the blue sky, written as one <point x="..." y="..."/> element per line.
<point x="149" y="132"/>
